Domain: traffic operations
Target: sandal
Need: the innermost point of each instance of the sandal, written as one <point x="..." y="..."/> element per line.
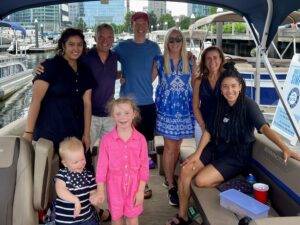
<point x="147" y="192"/>
<point x="102" y="213"/>
<point x="177" y="220"/>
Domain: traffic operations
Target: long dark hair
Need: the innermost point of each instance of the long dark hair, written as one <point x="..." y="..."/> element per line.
<point x="238" y="117"/>
<point x="64" y="37"/>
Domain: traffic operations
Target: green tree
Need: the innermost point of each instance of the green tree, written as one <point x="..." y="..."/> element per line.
<point x="127" y="24"/>
<point x="166" y="18"/>
<point x="118" y="28"/>
<point x="153" y="19"/>
<point x="212" y="10"/>
<point x="185" y="23"/>
<point x="240" y="27"/>
<point x="227" y="28"/>
<point x="80" y="24"/>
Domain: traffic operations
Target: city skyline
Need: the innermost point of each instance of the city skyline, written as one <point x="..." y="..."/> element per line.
<point x="177" y="8"/>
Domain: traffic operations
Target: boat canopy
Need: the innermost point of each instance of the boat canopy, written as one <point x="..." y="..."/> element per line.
<point x="220" y="17"/>
<point x="13" y="26"/>
<point x="263" y="16"/>
<point x="230" y="16"/>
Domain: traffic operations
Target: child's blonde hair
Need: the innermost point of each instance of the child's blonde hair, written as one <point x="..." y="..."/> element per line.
<point x="69" y="145"/>
<point x="125" y="100"/>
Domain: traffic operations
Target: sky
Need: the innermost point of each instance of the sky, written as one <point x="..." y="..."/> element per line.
<point x="176" y="7"/>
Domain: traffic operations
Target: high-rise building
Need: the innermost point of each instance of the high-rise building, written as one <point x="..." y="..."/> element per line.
<point x="76" y="11"/>
<point x="159" y="8"/>
<point x="95" y="12"/>
<point x="198" y="10"/>
<point x="51" y="18"/>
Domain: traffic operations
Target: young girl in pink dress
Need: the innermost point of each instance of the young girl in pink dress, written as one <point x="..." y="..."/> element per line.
<point x="123" y="165"/>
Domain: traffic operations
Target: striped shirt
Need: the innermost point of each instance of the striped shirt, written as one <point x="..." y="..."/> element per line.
<point x="79" y="184"/>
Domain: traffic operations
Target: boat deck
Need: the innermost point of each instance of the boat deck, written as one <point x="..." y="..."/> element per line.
<point x="157" y="209"/>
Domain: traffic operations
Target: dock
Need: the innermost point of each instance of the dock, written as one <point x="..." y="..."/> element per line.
<point x="3" y="48"/>
<point x="41" y="50"/>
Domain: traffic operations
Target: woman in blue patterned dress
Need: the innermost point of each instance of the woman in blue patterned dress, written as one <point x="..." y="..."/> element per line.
<point x="173" y="98"/>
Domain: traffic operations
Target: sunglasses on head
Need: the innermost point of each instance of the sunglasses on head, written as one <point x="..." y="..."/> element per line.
<point x="176" y="39"/>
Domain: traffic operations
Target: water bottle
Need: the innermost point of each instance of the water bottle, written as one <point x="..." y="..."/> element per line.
<point x="251" y="179"/>
<point x="193" y="214"/>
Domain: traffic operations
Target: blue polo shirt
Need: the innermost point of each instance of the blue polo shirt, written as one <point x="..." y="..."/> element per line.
<point x="105" y="77"/>
<point x="137" y="60"/>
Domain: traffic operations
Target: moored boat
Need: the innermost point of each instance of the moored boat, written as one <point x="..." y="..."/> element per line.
<point x="13" y="74"/>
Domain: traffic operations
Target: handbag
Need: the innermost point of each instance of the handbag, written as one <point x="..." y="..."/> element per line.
<point x="238" y="184"/>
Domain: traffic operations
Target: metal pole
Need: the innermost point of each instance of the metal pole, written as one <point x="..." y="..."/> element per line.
<point x="280" y="95"/>
<point x="257" y="75"/>
<point x="219" y="29"/>
<point x="36" y="34"/>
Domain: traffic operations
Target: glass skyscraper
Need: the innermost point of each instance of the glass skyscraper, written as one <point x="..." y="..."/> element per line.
<point x="159" y="8"/>
<point x="198" y="10"/>
<point x="53" y="17"/>
<point x="95" y="12"/>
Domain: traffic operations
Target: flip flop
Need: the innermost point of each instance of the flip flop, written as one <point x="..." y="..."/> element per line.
<point x="147" y="192"/>
<point x="108" y="218"/>
<point x="177" y="220"/>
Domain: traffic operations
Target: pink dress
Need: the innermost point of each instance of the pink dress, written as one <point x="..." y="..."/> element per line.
<point x="122" y="165"/>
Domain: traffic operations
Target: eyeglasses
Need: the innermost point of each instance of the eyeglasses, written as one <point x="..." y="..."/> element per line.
<point x="176" y="39"/>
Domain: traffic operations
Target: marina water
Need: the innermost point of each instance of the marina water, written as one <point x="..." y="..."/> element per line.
<point x="17" y="105"/>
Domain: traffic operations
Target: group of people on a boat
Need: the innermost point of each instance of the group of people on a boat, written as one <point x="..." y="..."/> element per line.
<point x="73" y="105"/>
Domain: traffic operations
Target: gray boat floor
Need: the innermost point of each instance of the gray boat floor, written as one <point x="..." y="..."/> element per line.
<point x="157" y="209"/>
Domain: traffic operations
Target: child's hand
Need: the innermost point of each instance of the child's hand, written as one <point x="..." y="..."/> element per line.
<point x="77" y="208"/>
<point x="101" y="196"/>
<point x="139" y="198"/>
<point x="97" y="198"/>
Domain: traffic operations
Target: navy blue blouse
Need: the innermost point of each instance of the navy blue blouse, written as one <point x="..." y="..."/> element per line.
<point x="61" y="112"/>
<point x="208" y="98"/>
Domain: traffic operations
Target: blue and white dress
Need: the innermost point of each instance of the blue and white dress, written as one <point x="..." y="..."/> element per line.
<point x="173" y="99"/>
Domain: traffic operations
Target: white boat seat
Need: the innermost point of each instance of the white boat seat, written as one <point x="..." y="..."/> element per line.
<point x="24" y="175"/>
<point x="290" y="220"/>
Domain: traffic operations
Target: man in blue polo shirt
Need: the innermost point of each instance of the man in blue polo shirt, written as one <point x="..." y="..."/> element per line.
<point x="103" y="63"/>
<point x="136" y="58"/>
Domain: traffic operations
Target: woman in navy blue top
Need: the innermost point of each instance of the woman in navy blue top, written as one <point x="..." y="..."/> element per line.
<point x="206" y="88"/>
<point x="226" y="145"/>
<point x="61" y="99"/>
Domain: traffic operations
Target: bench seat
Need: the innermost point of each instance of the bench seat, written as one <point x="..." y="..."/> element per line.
<point x="267" y="159"/>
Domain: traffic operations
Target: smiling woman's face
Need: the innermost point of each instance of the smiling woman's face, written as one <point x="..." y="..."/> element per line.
<point x="73" y="48"/>
<point x="213" y="61"/>
<point x="231" y="88"/>
<point x="175" y="42"/>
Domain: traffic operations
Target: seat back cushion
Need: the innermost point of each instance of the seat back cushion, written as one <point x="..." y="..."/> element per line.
<point x="9" y="155"/>
<point x="268" y="165"/>
<point x="42" y="171"/>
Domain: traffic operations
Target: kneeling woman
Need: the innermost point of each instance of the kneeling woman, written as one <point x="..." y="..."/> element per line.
<point x="226" y="145"/>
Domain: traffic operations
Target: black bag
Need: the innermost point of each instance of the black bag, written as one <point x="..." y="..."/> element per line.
<point x="238" y="184"/>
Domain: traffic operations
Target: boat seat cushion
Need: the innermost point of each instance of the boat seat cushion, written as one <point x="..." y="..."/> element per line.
<point x="24" y="174"/>
<point x="208" y="201"/>
<point x="293" y="220"/>
<point x="22" y="208"/>
<point x="9" y="155"/>
<point x="42" y="172"/>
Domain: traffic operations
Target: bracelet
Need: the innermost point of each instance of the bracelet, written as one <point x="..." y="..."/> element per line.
<point x="86" y="135"/>
<point x="28" y="132"/>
